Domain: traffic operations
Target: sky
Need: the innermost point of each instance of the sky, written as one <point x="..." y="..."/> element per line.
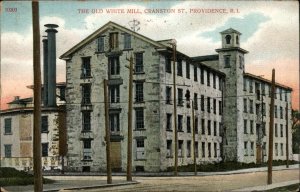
<point x="270" y="32"/>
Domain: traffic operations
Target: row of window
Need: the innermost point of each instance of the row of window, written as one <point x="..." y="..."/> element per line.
<point x="211" y="152"/>
<point x="246" y="147"/>
<point x="180" y="100"/>
<point x="8" y="150"/>
<point x="211" y="130"/>
<point x="114" y="121"/>
<point x="113" y="42"/>
<point x="260" y="90"/>
<point x="8" y="125"/>
<point x="251" y="131"/>
<point x="202" y="76"/>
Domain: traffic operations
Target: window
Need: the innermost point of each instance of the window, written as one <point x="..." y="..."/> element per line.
<point x="215" y="106"/>
<point x="188" y="124"/>
<point x="114" y="93"/>
<point x="227" y="61"/>
<point x="251" y="106"/>
<point x="139" y="92"/>
<point x="196" y="149"/>
<point x="220" y="108"/>
<point x="7" y="150"/>
<point x="214" y="81"/>
<point x="276" y="130"/>
<point x="245" y="127"/>
<point x="276" y="149"/>
<point x="113" y="41"/>
<point x="245" y="84"/>
<point x="281" y="149"/>
<point x="208" y="127"/>
<point x="202" y="102"/>
<point x="114" y="121"/>
<point x="264" y="129"/>
<point x="208" y="104"/>
<point x="241" y="62"/>
<point x="220" y="129"/>
<point x="245" y="105"/>
<point x="264" y="109"/>
<point x="202" y="126"/>
<point x="187" y="70"/>
<point x="169" y="148"/>
<point x="127" y="41"/>
<point x="195" y="73"/>
<point x="45" y="149"/>
<point x="215" y="128"/>
<point x="168" y="95"/>
<point x="220" y="84"/>
<point x="280" y="94"/>
<point x="245" y="148"/>
<point x="209" y="149"/>
<point x="215" y="150"/>
<point x="86" y="121"/>
<point x="100" y="44"/>
<point x="139" y="66"/>
<point x="180" y="96"/>
<point x="285" y="96"/>
<point x="187" y="98"/>
<point x="208" y="78"/>
<point x="180" y="148"/>
<point x="196" y="125"/>
<point x="188" y="148"/>
<point x="252" y="148"/>
<point x="179" y="128"/>
<point x="237" y="40"/>
<point x="257" y="111"/>
<point x="140" y="148"/>
<point x="281" y="113"/>
<point x="250" y="86"/>
<point x="86" y="67"/>
<point x="263" y="89"/>
<point x="168" y="64"/>
<point x="179" y="68"/>
<point x="251" y="127"/>
<point x="281" y="130"/>
<point x="195" y="101"/>
<point x="202" y="76"/>
<point x="203" y="149"/>
<point x="87" y="149"/>
<point x="86" y="94"/>
<point x="275" y="111"/>
<point x="257" y="94"/>
<point x="139" y="118"/>
<point x="44" y="124"/>
<point x="169" y="122"/>
<point x="228" y="39"/>
<point x="7" y="126"/>
<point x="114" y="64"/>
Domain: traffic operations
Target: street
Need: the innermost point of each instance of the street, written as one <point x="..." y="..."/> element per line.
<point x="204" y="183"/>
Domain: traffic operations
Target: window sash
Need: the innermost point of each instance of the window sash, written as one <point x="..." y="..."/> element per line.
<point x="45" y="149"/>
<point x="100" y="44"/>
<point x="114" y="93"/>
<point x="44" y="124"/>
<point x="139" y="118"/>
<point x="114" y="120"/>
<point x="139" y="92"/>
<point x="8" y="150"/>
<point x="86" y="94"/>
<point x="7" y="126"/>
<point x="86" y="121"/>
<point x="139" y="63"/>
<point x="114" y="64"/>
<point x="127" y="41"/>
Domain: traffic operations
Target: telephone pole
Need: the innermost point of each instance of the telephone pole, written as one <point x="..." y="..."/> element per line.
<point x="129" y="139"/>
<point x="194" y="135"/>
<point x="175" y="110"/>
<point x="270" y="158"/>
<point x="37" y="165"/>
<point x="287" y="134"/>
<point x="107" y="134"/>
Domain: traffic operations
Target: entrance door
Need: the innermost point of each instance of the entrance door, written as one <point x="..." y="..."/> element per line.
<point x="115" y="148"/>
<point x="258" y="154"/>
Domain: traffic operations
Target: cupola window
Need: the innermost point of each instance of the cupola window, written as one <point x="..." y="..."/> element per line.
<point x="228" y="38"/>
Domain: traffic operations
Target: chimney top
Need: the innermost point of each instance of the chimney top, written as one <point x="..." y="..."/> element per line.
<point x="51" y="26"/>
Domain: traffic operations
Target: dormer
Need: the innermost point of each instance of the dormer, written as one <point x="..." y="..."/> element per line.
<point x="230" y="38"/>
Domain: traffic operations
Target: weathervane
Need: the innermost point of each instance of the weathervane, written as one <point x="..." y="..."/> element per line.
<point x="134" y="25"/>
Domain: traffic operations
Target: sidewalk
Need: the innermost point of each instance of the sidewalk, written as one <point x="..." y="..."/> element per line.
<point x="268" y="187"/>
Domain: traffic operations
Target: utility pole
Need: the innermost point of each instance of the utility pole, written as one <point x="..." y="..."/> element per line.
<point x="107" y="134"/>
<point x="37" y="165"/>
<point x="287" y="134"/>
<point x="194" y="135"/>
<point x="129" y="139"/>
<point x="175" y="110"/>
<point x="270" y="158"/>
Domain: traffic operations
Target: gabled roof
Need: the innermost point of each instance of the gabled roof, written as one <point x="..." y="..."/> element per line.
<point x="102" y="29"/>
<point x="230" y="30"/>
<point x="249" y="75"/>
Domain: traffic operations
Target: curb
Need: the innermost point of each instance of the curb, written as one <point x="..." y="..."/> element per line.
<point x="93" y="187"/>
<point x="268" y="187"/>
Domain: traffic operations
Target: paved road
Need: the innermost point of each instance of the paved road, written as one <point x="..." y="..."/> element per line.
<point x="203" y="183"/>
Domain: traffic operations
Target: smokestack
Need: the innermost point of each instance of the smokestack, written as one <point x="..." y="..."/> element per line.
<point x="45" y="52"/>
<point x="51" y="64"/>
